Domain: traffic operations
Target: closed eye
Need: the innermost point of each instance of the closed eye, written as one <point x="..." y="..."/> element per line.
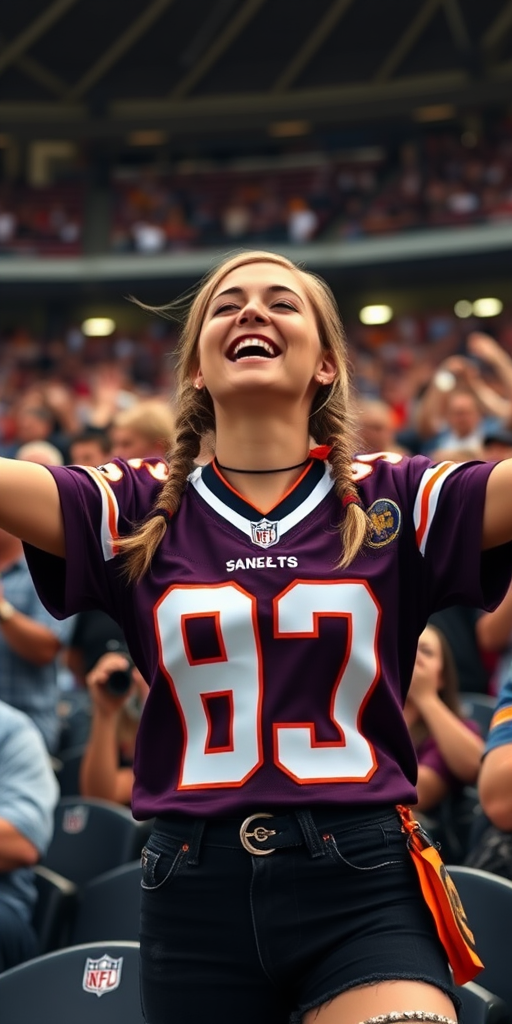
<point x="285" y="305"/>
<point x="226" y="308"/>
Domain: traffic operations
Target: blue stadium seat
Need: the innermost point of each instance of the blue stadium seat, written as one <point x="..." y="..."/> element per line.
<point x="109" y="906"/>
<point x="91" y="837"/>
<point x="88" y="984"/>
<point x="487" y="901"/>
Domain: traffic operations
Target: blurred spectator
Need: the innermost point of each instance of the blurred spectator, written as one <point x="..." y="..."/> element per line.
<point x="497" y="444"/>
<point x="447" y="746"/>
<point x="30" y="640"/>
<point x="145" y="429"/>
<point x="494" y="632"/>
<point x="495" y="779"/>
<point x="42" y="452"/>
<point x="28" y="795"/>
<point x="89" y="447"/>
<point x="106" y="771"/>
<point x="376" y="427"/>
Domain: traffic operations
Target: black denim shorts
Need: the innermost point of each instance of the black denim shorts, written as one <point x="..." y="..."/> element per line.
<point x="228" y="936"/>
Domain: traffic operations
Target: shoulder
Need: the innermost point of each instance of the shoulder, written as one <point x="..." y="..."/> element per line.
<point x="16" y="727"/>
<point x="126" y="487"/>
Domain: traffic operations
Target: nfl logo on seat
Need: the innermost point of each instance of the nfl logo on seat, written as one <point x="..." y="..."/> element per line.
<point x="265" y="533"/>
<point x="102" y="975"/>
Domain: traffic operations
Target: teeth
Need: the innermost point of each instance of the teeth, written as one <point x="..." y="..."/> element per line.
<point x="253" y="342"/>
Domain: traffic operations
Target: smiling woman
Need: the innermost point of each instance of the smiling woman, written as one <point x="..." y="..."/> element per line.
<point x="273" y="600"/>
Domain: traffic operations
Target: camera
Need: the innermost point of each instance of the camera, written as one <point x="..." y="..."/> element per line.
<point x="120" y="680"/>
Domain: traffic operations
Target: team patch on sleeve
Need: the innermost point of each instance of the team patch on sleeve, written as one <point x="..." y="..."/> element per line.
<point x="429" y="490"/>
<point x="109" y="532"/>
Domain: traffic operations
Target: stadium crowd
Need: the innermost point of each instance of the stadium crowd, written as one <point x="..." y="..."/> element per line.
<point x="440" y="178"/>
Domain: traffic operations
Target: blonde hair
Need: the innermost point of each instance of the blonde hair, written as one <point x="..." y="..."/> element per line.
<point x="330" y="418"/>
<point x="152" y="418"/>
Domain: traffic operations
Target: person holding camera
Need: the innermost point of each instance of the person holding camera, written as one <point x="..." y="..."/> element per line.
<point x="117" y="691"/>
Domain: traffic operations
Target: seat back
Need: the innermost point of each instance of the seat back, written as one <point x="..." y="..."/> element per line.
<point x="487" y="901"/>
<point x="480" y="708"/>
<point x="481" y="1006"/>
<point x="68" y="770"/>
<point x="109" y="906"/>
<point x="54" y="910"/>
<point x="89" y="984"/>
<point x="91" y="837"/>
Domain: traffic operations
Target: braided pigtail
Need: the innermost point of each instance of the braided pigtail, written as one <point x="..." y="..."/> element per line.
<point x="332" y="423"/>
<point x="195" y="419"/>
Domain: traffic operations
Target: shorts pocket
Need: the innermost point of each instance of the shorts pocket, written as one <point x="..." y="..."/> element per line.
<point x="372" y="847"/>
<point x="160" y="864"/>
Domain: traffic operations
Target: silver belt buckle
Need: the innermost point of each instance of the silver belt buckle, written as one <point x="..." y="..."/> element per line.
<point x="260" y="834"/>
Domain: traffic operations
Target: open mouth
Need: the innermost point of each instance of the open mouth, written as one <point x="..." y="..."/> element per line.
<point x="252" y="348"/>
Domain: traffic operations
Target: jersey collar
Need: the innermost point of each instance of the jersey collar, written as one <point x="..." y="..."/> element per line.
<point x="311" y="488"/>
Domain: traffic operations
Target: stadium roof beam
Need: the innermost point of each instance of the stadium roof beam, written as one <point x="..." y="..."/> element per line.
<point x="457" y="25"/>
<point x="123" y="43"/>
<point x="407" y="40"/>
<point x="37" y="28"/>
<point x="326" y="24"/>
<point x="221" y="44"/>
<point x="498" y="28"/>
<point x="33" y="69"/>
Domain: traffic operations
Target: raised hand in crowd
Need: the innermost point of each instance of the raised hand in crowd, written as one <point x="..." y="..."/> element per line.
<point x="106" y="771"/>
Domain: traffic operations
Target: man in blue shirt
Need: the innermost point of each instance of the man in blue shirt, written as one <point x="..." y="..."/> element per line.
<point x="28" y="795"/>
<point x="30" y="640"/>
<point x="495" y="780"/>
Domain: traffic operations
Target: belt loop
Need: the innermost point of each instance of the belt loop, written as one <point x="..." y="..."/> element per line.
<point x="310" y="833"/>
<point x="195" y="841"/>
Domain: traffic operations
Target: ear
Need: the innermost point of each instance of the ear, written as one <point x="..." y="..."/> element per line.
<point x="197" y="378"/>
<point x="326" y="369"/>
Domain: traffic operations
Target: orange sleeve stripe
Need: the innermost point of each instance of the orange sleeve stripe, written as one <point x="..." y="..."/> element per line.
<point x="501" y="716"/>
<point x="425" y="498"/>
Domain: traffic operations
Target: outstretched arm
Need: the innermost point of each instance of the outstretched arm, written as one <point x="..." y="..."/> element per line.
<point x="30" y="506"/>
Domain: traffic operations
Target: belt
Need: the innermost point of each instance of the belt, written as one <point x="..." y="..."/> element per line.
<point x="264" y="832"/>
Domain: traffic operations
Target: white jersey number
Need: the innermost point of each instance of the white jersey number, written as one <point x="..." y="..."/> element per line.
<point x="236" y="673"/>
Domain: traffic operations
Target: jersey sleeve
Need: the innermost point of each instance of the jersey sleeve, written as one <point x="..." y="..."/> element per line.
<point x="98" y="506"/>
<point x="500" y="729"/>
<point x="448" y="502"/>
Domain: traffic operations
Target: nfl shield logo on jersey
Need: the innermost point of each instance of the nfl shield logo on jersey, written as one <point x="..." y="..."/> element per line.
<point x="102" y="975"/>
<point x="265" y="533"/>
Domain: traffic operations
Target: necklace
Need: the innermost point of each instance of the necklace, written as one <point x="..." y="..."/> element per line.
<point x="285" y="469"/>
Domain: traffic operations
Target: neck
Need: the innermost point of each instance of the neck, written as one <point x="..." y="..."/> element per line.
<point x="273" y="446"/>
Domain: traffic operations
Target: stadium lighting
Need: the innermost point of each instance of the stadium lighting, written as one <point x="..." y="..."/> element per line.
<point x="463" y="308"/>
<point x="487" y="307"/>
<point x="379" y="314"/>
<point x="98" y="326"/>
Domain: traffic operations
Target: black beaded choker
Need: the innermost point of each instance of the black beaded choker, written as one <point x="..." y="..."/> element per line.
<point x="285" y="469"/>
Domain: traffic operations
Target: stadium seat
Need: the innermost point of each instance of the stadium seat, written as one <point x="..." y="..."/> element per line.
<point x="91" y="837"/>
<point x="479" y="707"/>
<point x="481" y="1006"/>
<point x="487" y="901"/>
<point x="88" y="984"/>
<point x="109" y="906"/>
<point x="67" y="770"/>
<point x="54" y="910"/>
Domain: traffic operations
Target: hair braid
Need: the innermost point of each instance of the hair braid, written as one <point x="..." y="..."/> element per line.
<point x="332" y="423"/>
<point x="194" y="420"/>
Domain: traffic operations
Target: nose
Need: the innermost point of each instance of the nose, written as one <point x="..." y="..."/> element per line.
<point x="253" y="312"/>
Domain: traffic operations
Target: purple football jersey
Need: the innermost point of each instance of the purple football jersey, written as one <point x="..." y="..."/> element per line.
<point x="275" y="678"/>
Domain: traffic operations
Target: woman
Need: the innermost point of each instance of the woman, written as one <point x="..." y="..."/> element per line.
<point x="273" y="601"/>
<point x="449" y="749"/>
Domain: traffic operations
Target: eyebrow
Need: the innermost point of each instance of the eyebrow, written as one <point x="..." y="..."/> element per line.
<point x="271" y="288"/>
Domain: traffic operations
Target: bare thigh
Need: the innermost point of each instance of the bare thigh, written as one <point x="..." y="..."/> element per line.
<point x="358" y="1004"/>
